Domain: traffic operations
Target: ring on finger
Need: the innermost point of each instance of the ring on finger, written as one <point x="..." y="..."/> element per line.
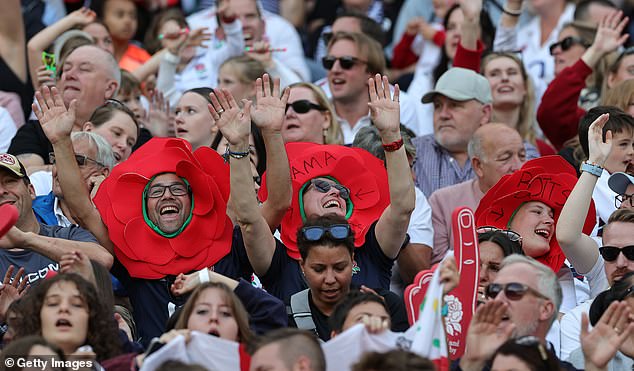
<point x="220" y="111"/>
<point x="617" y="330"/>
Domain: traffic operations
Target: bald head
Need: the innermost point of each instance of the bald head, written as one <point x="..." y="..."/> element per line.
<point x="495" y="150"/>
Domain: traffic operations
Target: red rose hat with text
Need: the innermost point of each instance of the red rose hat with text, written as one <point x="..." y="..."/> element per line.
<point x="355" y="168"/>
<point x="141" y="247"/>
<point x="548" y="179"/>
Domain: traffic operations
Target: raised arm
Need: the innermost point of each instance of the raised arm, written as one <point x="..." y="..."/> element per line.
<point x="235" y="125"/>
<point x="470" y="29"/>
<point x="607" y="39"/>
<point x="506" y="34"/>
<point x="268" y="116"/>
<point x="391" y="228"/>
<point x="57" y="123"/>
<point x="581" y="250"/>
<point x="54" y="248"/>
<point x="12" y="38"/>
<point x="43" y="39"/>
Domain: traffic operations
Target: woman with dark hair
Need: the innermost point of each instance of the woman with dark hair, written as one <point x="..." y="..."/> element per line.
<point x="494" y="245"/>
<point x="66" y="310"/>
<point x="118" y="125"/>
<point x="526" y="353"/>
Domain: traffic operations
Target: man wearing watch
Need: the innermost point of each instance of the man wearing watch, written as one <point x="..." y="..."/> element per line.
<point x="601" y="266"/>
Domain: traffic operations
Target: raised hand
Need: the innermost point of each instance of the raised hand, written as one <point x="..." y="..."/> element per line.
<point x="601" y="344"/>
<point x="11" y="289"/>
<point x="77" y="262"/>
<point x="158" y="116"/>
<point x="57" y="121"/>
<point x="484" y="335"/>
<point x="198" y="37"/>
<point x="82" y="16"/>
<point x="234" y="123"/>
<point x="384" y="110"/>
<point x="45" y="77"/>
<point x="261" y="51"/>
<point x="471" y="8"/>
<point x="608" y="37"/>
<point x="270" y="108"/>
<point x="185" y="283"/>
<point x="598" y="150"/>
<point x="449" y="275"/>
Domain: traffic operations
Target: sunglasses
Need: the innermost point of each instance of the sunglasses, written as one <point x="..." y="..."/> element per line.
<point x="567" y="43"/>
<point x="513" y="291"/>
<point x="611" y="253"/>
<point x="82" y="160"/>
<point x="346" y="62"/>
<point x="324" y="187"/>
<point x="618" y="200"/>
<point x="303" y="106"/>
<point x="336" y="231"/>
<point x="511" y="235"/>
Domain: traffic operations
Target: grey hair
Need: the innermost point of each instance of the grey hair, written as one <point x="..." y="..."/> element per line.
<point x="547" y="282"/>
<point x="474" y="148"/>
<point x="369" y="139"/>
<point x="105" y="155"/>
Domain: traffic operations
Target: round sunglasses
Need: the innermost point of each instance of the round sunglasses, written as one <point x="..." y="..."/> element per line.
<point x="303" y="106"/>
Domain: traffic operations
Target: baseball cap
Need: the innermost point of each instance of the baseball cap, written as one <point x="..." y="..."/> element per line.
<point x="12" y="164"/>
<point x="618" y="182"/>
<point x="461" y="84"/>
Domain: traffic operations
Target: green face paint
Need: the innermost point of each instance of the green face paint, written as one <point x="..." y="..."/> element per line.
<point x="151" y="224"/>
<point x="302" y="212"/>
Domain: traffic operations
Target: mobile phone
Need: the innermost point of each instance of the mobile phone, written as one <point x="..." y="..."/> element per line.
<point x="49" y="61"/>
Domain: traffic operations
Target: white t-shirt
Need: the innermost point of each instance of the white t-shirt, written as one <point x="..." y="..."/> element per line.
<point x="7" y="129"/>
<point x="279" y="32"/>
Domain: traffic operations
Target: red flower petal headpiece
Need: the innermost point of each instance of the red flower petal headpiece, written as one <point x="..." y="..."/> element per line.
<point x="354" y="168"/>
<point x="145" y="253"/>
<point x="548" y="179"/>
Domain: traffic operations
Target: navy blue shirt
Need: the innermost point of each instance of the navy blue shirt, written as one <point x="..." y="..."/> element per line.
<point x="371" y="267"/>
<point x="153" y="301"/>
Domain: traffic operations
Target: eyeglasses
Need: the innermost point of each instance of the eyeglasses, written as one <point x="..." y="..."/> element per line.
<point x="324" y="187"/>
<point x="611" y="253"/>
<point x="511" y="235"/>
<point x="82" y="160"/>
<point x="513" y="291"/>
<point x="303" y="106"/>
<point x="533" y="341"/>
<point x="177" y="189"/>
<point x="618" y="200"/>
<point x="568" y="43"/>
<point x="336" y="231"/>
<point x="346" y="62"/>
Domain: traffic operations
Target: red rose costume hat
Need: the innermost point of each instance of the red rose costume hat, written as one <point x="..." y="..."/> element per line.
<point x="355" y="168"/>
<point x="548" y="179"/>
<point x="143" y="251"/>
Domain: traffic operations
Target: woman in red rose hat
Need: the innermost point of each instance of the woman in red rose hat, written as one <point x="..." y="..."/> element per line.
<point x="529" y="202"/>
<point x="326" y="179"/>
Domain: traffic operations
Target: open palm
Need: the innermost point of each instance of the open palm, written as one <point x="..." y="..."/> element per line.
<point x="234" y="123"/>
<point x="384" y="110"/>
<point x="270" y="107"/>
<point x="57" y="121"/>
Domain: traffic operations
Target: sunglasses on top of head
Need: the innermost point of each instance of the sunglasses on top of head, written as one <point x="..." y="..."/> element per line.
<point x="346" y="62"/>
<point x="336" y="232"/>
<point x="303" y="106"/>
<point x="611" y="253"/>
<point x="568" y="43"/>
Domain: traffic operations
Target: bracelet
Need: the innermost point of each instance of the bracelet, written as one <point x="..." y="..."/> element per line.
<point x="203" y="275"/>
<point x="512" y="13"/>
<point x="591" y="168"/>
<point x="237" y="155"/>
<point x="394" y="146"/>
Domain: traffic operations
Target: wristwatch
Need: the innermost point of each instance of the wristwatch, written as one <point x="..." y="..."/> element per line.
<point x="591" y="168"/>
